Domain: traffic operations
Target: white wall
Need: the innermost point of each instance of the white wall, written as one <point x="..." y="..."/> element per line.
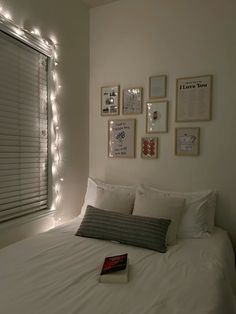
<point x="69" y="22"/>
<point x="131" y="40"/>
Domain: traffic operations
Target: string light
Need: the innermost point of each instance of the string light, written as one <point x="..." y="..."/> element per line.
<point x="7" y="15"/>
<point x="36" y="32"/>
<point x="56" y="138"/>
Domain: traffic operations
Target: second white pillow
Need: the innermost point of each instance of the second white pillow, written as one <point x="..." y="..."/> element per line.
<point x="150" y="204"/>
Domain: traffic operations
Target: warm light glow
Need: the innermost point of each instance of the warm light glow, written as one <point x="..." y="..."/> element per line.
<point x="54" y="40"/>
<point x="7" y="15"/>
<point x="53" y="97"/>
<point x="55" y="55"/>
<point x="19" y="32"/>
<point x="36" y="32"/>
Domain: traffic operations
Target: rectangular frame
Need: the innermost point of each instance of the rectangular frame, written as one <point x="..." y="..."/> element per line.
<point x="187" y="141"/>
<point x="157" y="86"/>
<point x="121" y="138"/>
<point x="110" y="100"/>
<point x="194" y="98"/>
<point x="157" y="117"/>
<point x="149" y="147"/>
<point x="132" y="100"/>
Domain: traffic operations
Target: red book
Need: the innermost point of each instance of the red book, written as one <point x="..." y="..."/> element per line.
<point x="114" y="263"/>
<point x="115" y="269"/>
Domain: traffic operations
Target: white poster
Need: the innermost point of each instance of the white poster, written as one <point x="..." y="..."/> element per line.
<point x="193" y="100"/>
<point x="121" y="139"/>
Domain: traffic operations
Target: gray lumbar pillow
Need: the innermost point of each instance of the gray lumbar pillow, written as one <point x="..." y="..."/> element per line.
<point x="134" y="230"/>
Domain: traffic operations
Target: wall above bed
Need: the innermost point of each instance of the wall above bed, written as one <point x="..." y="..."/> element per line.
<point x="131" y="40"/>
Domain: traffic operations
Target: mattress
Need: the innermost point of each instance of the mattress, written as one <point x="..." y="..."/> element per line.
<point x="57" y="273"/>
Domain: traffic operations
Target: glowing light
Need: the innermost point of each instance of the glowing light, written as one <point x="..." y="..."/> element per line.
<point x="54" y="40"/>
<point x="54" y="169"/>
<point x="55" y="55"/>
<point x="19" y="32"/>
<point x="54" y="75"/>
<point x="62" y="179"/>
<point x="7" y="15"/>
<point x="36" y="32"/>
<point x="53" y="97"/>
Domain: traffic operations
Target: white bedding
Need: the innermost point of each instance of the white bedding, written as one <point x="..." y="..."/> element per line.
<point x="57" y="272"/>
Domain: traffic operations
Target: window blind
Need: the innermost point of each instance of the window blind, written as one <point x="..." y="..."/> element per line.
<point x="23" y="129"/>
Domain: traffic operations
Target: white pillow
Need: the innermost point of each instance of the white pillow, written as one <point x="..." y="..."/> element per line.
<point x="151" y="204"/>
<point x="112" y="197"/>
<point x="199" y="214"/>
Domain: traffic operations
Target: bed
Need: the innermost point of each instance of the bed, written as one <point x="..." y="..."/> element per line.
<point x="186" y="269"/>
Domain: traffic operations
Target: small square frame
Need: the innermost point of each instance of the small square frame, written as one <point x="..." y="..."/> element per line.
<point x="157" y="117"/>
<point x="110" y="100"/>
<point x="132" y="100"/>
<point x="187" y="141"/>
<point x="149" y="147"/>
<point x="157" y="86"/>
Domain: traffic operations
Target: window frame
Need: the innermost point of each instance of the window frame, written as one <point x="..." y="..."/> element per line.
<point x="45" y="48"/>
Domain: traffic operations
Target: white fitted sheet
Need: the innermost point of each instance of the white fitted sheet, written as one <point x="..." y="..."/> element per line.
<point x="57" y="272"/>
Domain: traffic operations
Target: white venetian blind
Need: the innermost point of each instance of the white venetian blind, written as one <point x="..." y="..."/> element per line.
<point x="23" y="129"/>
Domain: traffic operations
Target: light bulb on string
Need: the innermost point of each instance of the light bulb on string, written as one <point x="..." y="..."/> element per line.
<point x="36" y="32"/>
<point x="7" y="15"/>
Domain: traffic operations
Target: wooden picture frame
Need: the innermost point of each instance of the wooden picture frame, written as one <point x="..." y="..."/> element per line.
<point x="121" y="138"/>
<point x="110" y="100"/>
<point x="194" y="98"/>
<point x="157" y="117"/>
<point x="157" y="86"/>
<point x="149" y="147"/>
<point x="187" y="141"/>
<point x="132" y="100"/>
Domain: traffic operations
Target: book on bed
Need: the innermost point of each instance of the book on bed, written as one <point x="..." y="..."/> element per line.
<point x="115" y="269"/>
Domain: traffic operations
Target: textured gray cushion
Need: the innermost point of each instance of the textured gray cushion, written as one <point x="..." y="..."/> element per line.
<point x="134" y="230"/>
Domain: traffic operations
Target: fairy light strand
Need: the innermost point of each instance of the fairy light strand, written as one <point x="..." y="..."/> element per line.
<point x="56" y="140"/>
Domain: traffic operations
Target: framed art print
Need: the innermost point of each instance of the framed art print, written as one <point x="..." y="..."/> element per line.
<point x="157" y="86"/>
<point x="132" y="100"/>
<point x="121" y="138"/>
<point x="110" y="100"/>
<point x="193" y="98"/>
<point x="149" y="147"/>
<point x="187" y="141"/>
<point x="156" y="117"/>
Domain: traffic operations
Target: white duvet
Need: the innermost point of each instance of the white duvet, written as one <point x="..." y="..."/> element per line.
<point x="57" y="273"/>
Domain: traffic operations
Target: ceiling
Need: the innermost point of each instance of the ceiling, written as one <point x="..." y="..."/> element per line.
<point x="96" y="3"/>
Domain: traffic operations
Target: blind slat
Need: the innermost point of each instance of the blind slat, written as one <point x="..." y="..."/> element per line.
<point x="18" y="188"/>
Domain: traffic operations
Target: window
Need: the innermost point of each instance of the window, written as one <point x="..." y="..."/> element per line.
<point x="23" y="129"/>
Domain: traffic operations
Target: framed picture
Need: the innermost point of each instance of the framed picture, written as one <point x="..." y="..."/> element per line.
<point x="187" y="141"/>
<point x="149" y="147"/>
<point x="156" y="117"/>
<point x="110" y="100"/>
<point x="157" y="86"/>
<point x="193" y="98"/>
<point x="121" y="138"/>
<point x="132" y="100"/>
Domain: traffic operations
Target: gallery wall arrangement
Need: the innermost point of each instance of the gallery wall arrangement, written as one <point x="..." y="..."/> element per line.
<point x="193" y="104"/>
